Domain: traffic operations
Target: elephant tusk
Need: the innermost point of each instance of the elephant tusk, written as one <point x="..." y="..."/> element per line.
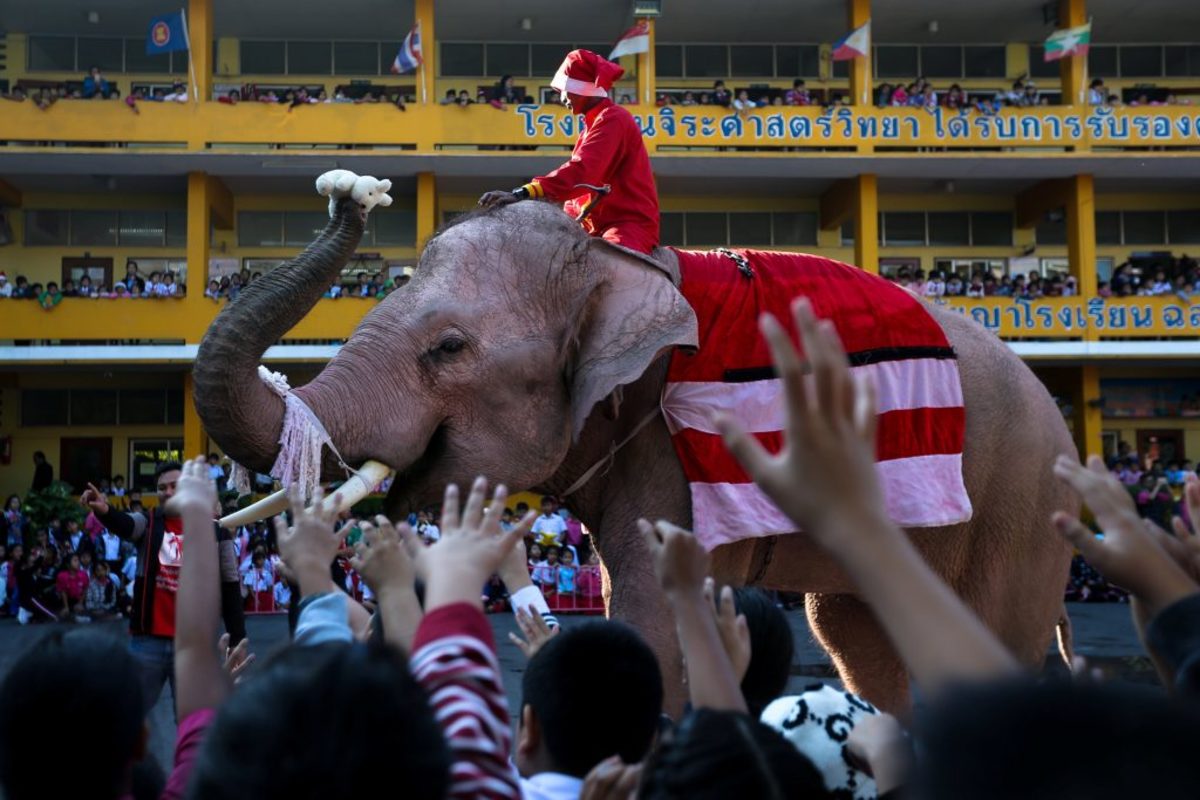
<point x="358" y="486"/>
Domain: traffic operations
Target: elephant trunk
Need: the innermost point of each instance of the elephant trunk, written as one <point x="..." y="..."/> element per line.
<point x="242" y="414"/>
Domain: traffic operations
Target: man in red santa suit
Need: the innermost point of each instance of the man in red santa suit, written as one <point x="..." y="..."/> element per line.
<point x="609" y="151"/>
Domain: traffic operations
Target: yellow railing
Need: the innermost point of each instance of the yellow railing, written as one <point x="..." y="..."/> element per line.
<point x="428" y="129"/>
<point x="187" y="319"/>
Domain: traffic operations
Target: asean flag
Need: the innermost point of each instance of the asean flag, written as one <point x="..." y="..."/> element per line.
<point x="167" y="32"/>
<point x="854" y="44"/>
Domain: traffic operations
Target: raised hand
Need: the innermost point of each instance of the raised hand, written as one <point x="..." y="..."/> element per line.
<point x="536" y="631"/>
<point x="735" y="633"/>
<point x="382" y="558"/>
<point x="94" y="499"/>
<point x="236" y="659"/>
<point x="680" y="561"/>
<point x="310" y="545"/>
<point x="826" y="469"/>
<point x="1128" y="554"/>
<point x="611" y="779"/>
<point x="195" y="492"/>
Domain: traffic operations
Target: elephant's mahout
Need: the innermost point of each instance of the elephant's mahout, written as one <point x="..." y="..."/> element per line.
<point x="524" y="350"/>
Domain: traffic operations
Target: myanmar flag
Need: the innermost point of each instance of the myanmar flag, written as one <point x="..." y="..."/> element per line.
<point x="1068" y="42"/>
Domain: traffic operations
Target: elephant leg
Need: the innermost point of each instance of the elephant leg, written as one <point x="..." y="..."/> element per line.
<point x="865" y="660"/>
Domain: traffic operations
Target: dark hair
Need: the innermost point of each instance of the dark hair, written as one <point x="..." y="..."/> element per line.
<point x="771" y="648"/>
<point x="601" y="675"/>
<point x="1018" y="739"/>
<point x="166" y="466"/>
<point x="714" y="755"/>
<point x="63" y="673"/>
<point x="274" y="741"/>
<point x="39" y="454"/>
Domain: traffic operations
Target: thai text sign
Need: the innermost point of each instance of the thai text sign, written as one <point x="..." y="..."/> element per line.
<point x="1077" y="317"/>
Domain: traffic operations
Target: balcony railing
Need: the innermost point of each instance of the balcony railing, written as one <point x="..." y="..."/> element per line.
<point x="186" y="319"/>
<point x="429" y="129"/>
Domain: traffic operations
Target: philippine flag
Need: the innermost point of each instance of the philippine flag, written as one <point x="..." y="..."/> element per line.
<point x="409" y="56"/>
<point x="634" y="40"/>
<point x="854" y="44"/>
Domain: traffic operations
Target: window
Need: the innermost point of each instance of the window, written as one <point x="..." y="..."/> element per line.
<point x="752" y="60"/>
<point x="47" y="227"/>
<point x="794" y="228"/>
<point x="942" y="61"/>
<point x="302" y="227"/>
<point x="507" y="59"/>
<point x="136" y="59"/>
<point x="841" y="69"/>
<point x="395" y="228"/>
<point x="356" y="58"/>
<point x="1144" y="227"/>
<point x="705" y="228"/>
<point x="461" y="59"/>
<point x="991" y="229"/>
<point x="798" y="60"/>
<point x="96" y="228"/>
<point x="1102" y="61"/>
<point x="949" y="228"/>
<point x="1183" y="227"/>
<point x="670" y="228"/>
<point x="93" y="407"/>
<point x="1141" y="61"/>
<point x="263" y="58"/>
<point x="545" y="58"/>
<point x="707" y="61"/>
<point x="142" y="407"/>
<point x="903" y="228"/>
<point x="54" y="53"/>
<point x="848" y="233"/>
<point x="176" y="229"/>
<point x="309" y="58"/>
<point x="1182" y="60"/>
<point x="985" y="61"/>
<point x="142" y="228"/>
<point x="260" y="228"/>
<point x="1052" y="229"/>
<point x="896" y="61"/>
<point x="1108" y="227"/>
<point x="41" y="407"/>
<point x="750" y="228"/>
<point x="387" y="55"/>
<point x="103" y="53"/>
<point x="144" y="457"/>
<point x="1039" y="67"/>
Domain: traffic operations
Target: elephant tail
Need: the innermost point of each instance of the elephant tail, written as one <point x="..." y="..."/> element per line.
<point x="1062" y="629"/>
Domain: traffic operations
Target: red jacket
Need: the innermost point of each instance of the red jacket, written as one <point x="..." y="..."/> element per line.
<point x="610" y="150"/>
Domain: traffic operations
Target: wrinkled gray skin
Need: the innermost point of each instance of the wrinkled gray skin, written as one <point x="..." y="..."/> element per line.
<point x="505" y="356"/>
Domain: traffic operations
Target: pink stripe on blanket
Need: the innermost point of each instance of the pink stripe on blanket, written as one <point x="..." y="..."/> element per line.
<point x="923" y="491"/>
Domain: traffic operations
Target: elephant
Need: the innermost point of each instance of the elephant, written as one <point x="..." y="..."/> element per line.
<point x="526" y="351"/>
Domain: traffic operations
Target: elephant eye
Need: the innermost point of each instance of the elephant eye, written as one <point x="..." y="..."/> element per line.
<point x="451" y="345"/>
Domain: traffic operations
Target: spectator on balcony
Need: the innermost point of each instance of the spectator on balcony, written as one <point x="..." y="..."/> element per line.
<point x="85" y="286"/>
<point x="743" y="103"/>
<point x="899" y="96"/>
<point x="450" y="99"/>
<point x="69" y="289"/>
<point x="95" y="85"/>
<point x="689" y="99"/>
<point x="954" y="286"/>
<point x="1097" y="92"/>
<point x="936" y="285"/>
<point x="6" y="289"/>
<point x="883" y="95"/>
<point x="976" y="288"/>
<point x="214" y="290"/>
<point x="464" y="98"/>
<point x="178" y="93"/>
<point x="720" y="95"/>
<point x="1029" y="96"/>
<point x="505" y="92"/>
<point x="954" y="98"/>
<point x="1161" y="285"/>
<point x="798" y="95"/>
<point x="50" y="297"/>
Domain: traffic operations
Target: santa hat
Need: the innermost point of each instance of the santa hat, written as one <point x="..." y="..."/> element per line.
<point x="587" y="74"/>
<point x="3" y="277"/>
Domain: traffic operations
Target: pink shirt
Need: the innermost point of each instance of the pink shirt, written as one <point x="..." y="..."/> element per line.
<point x="72" y="583"/>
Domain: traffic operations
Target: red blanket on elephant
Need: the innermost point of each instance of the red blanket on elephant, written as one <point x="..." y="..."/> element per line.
<point x="886" y="331"/>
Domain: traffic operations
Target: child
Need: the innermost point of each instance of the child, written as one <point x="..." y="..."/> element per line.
<point x="543" y="571"/>
<point x="71" y="584"/>
<point x="283" y="595"/>
<point x="260" y="591"/>
<point x="100" y="601"/>
<point x="565" y="573"/>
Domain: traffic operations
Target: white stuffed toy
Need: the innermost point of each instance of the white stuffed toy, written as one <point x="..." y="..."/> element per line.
<point x="366" y="190"/>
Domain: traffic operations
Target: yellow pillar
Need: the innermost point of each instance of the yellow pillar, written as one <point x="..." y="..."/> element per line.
<point x="1073" y="69"/>
<point x="647" y="84"/>
<point x="426" y="207"/>
<point x="1087" y="417"/>
<point x="200" y="37"/>
<point x="866" y="224"/>
<point x="195" y="439"/>
<point x="1081" y="232"/>
<point x="859" y="13"/>
<point x="427" y="73"/>
<point x="199" y="223"/>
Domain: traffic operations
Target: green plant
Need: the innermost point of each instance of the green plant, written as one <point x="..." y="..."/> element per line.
<point x="57" y="500"/>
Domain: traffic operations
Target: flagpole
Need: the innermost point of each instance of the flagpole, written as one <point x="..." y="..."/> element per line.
<point x="187" y="39"/>
<point x="421" y="64"/>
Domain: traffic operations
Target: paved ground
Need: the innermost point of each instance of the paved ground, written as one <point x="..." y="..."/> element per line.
<point x="1103" y="633"/>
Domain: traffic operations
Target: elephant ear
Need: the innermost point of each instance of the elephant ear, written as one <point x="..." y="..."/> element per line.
<point x="633" y="313"/>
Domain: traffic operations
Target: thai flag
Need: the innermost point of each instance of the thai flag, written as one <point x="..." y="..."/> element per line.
<point x="634" y="40"/>
<point x="854" y="44"/>
<point x="409" y="56"/>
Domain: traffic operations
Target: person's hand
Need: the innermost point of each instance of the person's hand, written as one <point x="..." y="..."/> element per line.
<point x="195" y="492"/>
<point x="94" y="499"/>
<point x="1184" y="546"/>
<point x="680" y="561"/>
<point x="235" y="660"/>
<point x="536" y="631"/>
<point x="826" y="469"/>
<point x="497" y="198"/>
<point x="383" y="559"/>
<point x="514" y="569"/>
<point x="471" y="547"/>
<point x="310" y="545"/>
<point x="878" y="743"/>
<point x="1128" y="554"/>
<point x="611" y="779"/>
<point x="735" y="633"/>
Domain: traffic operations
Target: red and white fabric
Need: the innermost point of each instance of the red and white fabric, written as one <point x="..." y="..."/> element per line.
<point x="887" y="333"/>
